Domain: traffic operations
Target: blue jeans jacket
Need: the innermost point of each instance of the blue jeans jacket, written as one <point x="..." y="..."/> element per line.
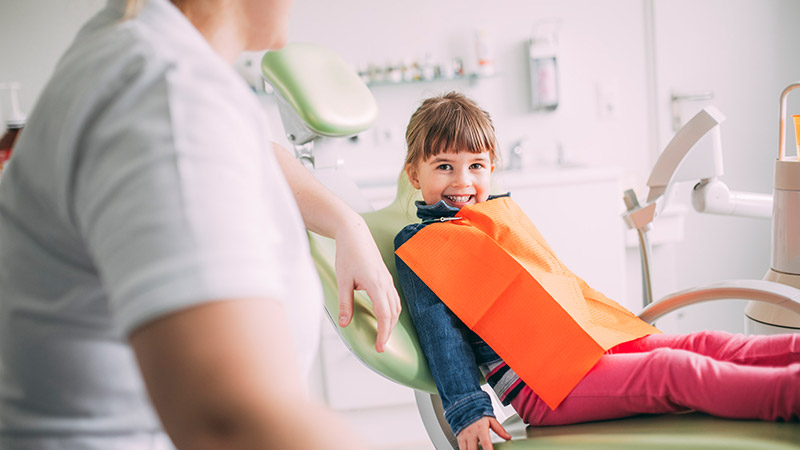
<point x="453" y="351"/>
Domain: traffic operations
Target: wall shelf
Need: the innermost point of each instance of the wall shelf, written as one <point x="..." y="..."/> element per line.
<point x="471" y="77"/>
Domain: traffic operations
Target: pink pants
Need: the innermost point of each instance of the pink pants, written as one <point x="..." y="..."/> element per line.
<point x="725" y="375"/>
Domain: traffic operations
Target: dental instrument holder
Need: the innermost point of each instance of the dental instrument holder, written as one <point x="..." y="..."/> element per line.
<point x="319" y="96"/>
<point x="710" y="195"/>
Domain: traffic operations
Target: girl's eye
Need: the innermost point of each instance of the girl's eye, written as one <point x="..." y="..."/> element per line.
<point x="444" y="167"/>
<point x="476" y="166"/>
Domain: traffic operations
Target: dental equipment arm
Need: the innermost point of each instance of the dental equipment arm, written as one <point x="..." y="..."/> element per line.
<point x="669" y="168"/>
<point x="710" y="195"/>
<point x="666" y="169"/>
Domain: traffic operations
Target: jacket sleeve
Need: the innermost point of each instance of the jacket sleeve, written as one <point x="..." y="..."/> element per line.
<point x="445" y="343"/>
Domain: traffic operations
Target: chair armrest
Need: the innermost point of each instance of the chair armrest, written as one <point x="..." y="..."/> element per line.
<point x="757" y="290"/>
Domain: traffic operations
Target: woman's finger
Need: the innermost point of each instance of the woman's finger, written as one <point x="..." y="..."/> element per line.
<point x="386" y="322"/>
<point x="345" y="302"/>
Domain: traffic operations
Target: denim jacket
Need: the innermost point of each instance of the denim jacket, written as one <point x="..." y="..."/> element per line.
<point x="454" y="352"/>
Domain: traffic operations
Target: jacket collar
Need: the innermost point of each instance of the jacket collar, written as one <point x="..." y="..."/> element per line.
<point x="441" y="209"/>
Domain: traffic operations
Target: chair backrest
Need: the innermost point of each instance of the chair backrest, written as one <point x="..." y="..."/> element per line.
<point x="403" y="360"/>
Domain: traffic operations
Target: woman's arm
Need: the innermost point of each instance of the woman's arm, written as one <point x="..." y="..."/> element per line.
<point x="359" y="265"/>
<point x="220" y="375"/>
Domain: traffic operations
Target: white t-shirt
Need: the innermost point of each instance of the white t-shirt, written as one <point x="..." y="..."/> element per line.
<point x="144" y="183"/>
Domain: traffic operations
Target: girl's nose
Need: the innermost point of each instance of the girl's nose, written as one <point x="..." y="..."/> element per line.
<point x="462" y="178"/>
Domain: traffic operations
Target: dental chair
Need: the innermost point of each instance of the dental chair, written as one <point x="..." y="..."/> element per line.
<point x="303" y="68"/>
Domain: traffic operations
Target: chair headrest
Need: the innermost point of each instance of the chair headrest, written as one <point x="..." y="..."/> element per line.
<point x="321" y="88"/>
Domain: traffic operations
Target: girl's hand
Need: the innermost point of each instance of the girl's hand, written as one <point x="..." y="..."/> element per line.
<point x="359" y="266"/>
<point x="478" y="432"/>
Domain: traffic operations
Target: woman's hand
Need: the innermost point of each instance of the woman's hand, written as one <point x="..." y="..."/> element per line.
<point x="478" y="432"/>
<point x="358" y="262"/>
<point x="359" y="266"/>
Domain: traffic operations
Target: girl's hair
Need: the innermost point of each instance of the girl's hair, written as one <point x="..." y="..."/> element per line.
<point x="449" y="122"/>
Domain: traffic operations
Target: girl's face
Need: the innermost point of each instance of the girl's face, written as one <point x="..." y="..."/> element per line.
<point x="458" y="178"/>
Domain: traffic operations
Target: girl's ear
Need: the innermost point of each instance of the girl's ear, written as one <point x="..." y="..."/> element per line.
<point x="493" y="167"/>
<point x="413" y="176"/>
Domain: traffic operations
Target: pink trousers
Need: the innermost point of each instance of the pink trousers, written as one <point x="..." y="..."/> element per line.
<point x="722" y="374"/>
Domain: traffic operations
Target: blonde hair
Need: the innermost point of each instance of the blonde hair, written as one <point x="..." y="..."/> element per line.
<point x="132" y="8"/>
<point x="449" y="122"/>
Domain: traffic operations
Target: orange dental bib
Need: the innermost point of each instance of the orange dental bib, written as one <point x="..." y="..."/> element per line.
<point x="496" y="273"/>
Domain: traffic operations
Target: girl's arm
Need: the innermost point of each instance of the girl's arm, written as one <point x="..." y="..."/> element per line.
<point x="359" y="265"/>
<point x="444" y="341"/>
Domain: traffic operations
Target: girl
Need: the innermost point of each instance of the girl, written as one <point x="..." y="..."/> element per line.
<point x="451" y="156"/>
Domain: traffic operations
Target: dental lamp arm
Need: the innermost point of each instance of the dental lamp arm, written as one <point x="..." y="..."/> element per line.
<point x="713" y="196"/>
<point x="758" y="290"/>
<point x="671" y="163"/>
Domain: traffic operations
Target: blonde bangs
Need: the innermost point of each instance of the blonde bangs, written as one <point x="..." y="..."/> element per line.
<point x="449" y="123"/>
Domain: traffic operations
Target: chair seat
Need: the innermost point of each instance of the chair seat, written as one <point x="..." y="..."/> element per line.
<point x="671" y="431"/>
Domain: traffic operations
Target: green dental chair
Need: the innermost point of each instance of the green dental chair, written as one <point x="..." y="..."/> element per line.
<point x="313" y="88"/>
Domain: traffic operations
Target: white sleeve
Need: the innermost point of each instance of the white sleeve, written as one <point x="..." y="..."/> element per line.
<point x="173" y="198"/>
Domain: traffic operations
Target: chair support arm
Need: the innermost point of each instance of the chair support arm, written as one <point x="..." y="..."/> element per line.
<point x="757" y="290"/>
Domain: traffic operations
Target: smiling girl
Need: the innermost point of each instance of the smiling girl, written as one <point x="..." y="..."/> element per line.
<point x="451" y="157"/>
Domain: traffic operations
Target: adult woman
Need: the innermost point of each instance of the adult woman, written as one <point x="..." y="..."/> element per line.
<point x="145" y="210"/>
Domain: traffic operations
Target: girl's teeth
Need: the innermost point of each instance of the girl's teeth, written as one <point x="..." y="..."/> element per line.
<point x="459" y="198"/>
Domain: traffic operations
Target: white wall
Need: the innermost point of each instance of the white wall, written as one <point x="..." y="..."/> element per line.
<point x="33" y="35"/>
<point x="600" y="44"/>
